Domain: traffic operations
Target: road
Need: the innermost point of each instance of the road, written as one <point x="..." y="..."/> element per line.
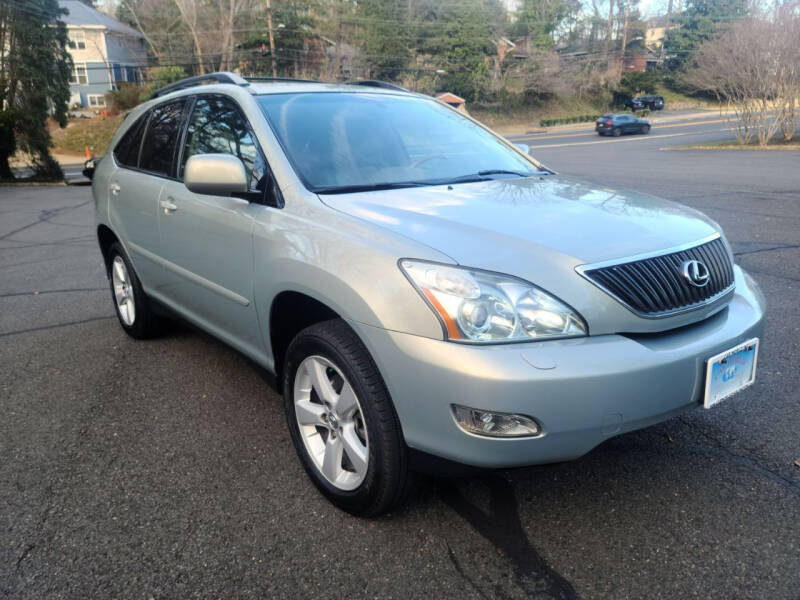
<point x="163" y="469"/>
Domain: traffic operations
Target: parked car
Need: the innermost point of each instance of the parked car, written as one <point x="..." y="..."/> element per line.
<point x="650" y="101"/>
<point x="426" y="295"/>
<point x="618" y="124"/>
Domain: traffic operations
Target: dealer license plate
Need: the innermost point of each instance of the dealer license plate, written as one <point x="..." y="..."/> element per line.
<point x="730" y="371"/>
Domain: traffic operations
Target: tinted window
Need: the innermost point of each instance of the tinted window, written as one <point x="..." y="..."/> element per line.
<point x="161" y="138"/>
<point x="351" y="139"/>
<point x="218" y="127"/>
<point x="127" y="150"/>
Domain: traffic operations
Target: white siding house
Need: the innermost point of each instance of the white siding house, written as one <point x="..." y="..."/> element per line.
<point x="104" y="51"/>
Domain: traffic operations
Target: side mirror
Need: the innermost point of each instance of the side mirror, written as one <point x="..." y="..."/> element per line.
<point x="215" y="175"/>
<point x="88" y="168"/>
<point x="524" y="148"/>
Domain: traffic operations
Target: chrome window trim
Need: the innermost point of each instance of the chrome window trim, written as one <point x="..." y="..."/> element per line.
<point x="582" y="269"/>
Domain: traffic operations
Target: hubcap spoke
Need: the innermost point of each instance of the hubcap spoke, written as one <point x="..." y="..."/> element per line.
<point x="317" y="370"/>
<point x="309" y="413"/>
<point x="332" y="461"/>
<point x="355" y="449"/>
<point x="346" y="403"/>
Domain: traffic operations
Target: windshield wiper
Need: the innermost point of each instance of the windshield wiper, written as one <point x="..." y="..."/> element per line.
<point x="486" y="175"/>
<point x="368" y="187"/>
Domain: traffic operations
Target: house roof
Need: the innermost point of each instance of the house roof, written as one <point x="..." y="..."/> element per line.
<point x="81" y="15"/>
<point x="450" y="97"/>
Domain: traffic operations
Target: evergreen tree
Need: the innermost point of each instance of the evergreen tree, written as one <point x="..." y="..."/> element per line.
<point x="701" y="21"/>
<point x="461" y="42"/>
<point x="35" y="70"/>
<point x="384" y="37"/>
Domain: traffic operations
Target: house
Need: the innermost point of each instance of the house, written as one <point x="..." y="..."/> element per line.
<point x="104" y="52"/>
<point x="456" y="102"/>
<point x="656" y="31"/>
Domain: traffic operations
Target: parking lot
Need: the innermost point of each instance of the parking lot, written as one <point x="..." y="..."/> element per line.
<point x="164" y="469"/>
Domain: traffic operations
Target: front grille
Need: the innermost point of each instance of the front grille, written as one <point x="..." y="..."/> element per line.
<point x="656" y="286"/>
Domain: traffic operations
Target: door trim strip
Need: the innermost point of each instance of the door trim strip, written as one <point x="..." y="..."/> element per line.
<point x="193" y="277"/>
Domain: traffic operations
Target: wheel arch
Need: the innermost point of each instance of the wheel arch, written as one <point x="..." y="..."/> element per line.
<point x="106" y="238"/>
<point x="291" y="312"/>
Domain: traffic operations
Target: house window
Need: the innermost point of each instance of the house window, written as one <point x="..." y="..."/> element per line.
<point x="79" y="74"/>
<point x="96" y="100"/>
<point x="77" y="39"/>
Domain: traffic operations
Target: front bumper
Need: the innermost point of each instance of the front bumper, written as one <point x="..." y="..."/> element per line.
<point x="581" y="391"/>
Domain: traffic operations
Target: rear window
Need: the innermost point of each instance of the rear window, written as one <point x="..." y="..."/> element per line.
<point x="161" y="139"/>
<point x="127" y="150"/>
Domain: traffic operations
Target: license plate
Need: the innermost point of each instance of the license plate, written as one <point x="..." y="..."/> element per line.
<point x="730" y="372"/>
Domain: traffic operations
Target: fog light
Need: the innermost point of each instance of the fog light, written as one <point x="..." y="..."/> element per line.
<point x="494" y="424"/>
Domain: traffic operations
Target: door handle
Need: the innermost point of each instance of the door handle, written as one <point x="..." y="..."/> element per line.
<point x="168" y="205"/>
<point x="115" y="189"/>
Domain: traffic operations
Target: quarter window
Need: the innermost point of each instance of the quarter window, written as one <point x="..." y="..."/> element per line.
<point x="218" y="127"/>
<point x="163" y="130"/>
<point x="127" y="150"/>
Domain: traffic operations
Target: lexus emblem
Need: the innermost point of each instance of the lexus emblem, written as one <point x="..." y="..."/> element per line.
<point x="696" y="273"/>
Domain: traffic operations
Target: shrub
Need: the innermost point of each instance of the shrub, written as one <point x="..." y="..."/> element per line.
<point x="125" y="97"/>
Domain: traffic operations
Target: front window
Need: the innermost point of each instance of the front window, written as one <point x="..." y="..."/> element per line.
<point x="79" y="75"/>
<point x="77" y="40"/>
<point x="341" y="141"/>
<point x="218" y="127"/>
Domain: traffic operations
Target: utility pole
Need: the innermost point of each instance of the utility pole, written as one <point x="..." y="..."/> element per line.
<point x="625" y="29"/>
<point x="271" y="39"/>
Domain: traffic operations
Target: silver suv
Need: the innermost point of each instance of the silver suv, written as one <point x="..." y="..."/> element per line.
<point x="425" y="293"/>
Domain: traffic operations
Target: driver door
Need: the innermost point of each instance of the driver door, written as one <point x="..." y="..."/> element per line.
<point x="207" y="241"/>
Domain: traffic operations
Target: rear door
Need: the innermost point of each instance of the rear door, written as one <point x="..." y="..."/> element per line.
<point x="207" y="241"/>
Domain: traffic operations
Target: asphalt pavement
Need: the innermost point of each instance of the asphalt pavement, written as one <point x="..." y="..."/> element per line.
<point x="163" y="469"/>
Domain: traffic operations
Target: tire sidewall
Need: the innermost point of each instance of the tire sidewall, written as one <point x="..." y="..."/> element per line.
<point x="309" y="345"/>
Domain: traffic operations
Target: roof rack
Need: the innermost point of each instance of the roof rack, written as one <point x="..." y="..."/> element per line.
<point x="378" y="84"/>
<point x="281" y="79"/>
<point x="221" y="77"/>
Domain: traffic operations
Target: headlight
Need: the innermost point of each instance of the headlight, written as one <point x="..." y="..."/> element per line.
<point x="477" y="306"/>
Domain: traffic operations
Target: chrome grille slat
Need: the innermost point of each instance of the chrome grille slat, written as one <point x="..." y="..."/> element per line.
<point x="655" y="286"/>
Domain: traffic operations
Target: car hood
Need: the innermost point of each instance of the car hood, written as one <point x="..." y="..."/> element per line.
<point x="495" y="224"/>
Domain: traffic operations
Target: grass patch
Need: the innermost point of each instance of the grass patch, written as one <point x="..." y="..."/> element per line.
<point x="79" y="133"/>
<point x="520" y="119"/>
<point x="775" y="144"/>
<point x="676" y="100"/>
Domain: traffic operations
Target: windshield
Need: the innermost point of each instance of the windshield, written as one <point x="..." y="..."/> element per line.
<point x="351" y="141"/>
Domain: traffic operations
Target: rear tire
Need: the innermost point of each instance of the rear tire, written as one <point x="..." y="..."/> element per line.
<point x="336" y="402"/>
<point x="130" y="302"/>
<point x="616" y="132"/>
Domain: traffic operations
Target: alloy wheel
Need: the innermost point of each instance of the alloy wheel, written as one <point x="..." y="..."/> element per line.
<point x="331" y="423"/>
<point x="123" y="291"/>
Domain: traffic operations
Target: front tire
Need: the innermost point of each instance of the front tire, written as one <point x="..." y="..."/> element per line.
<point x="646" y="129"/>
<point x="130" y="302"/>
<point x="342" y="421"/>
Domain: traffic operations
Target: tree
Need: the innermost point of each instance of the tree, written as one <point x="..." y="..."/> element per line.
<point x="384" y="37"/>
<point x="752" y="68"/>
<point x="35" y="70"/>
<point x="701" y="21"/>
<point x="538" y="19"/>
<point x="461" y="41"/>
